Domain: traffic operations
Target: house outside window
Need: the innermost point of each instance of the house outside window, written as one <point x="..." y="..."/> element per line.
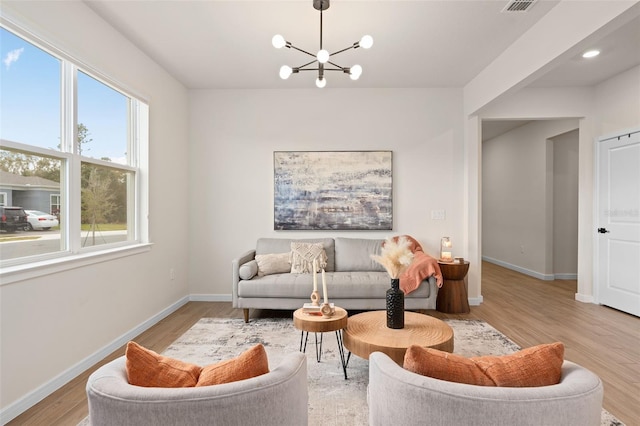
<point x="70" y="143"/>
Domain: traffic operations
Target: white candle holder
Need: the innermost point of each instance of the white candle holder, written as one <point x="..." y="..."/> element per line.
<point x="315" y="298"/>
<point x="327" y="310"/>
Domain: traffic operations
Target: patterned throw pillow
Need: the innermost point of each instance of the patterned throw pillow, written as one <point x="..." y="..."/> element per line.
<point x="302" y="255"/>
<point x="275" y="263"/>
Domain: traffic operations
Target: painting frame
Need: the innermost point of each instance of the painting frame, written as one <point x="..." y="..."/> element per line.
<point x="333" y="190"/>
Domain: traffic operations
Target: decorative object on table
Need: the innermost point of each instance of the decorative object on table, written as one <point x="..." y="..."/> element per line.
<point x="309" y="308"/>
<point x="395" y="256"/>
<point x="445" y="249"/>
<point x="315" y="296"/>
<point x="395" y="305"/>
<point x="327" y="309"/>
<point x="458" y="260"/>
<point x="322" y="57"/>
<point x="333" y="190"/>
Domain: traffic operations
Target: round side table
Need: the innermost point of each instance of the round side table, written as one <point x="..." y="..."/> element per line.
<point x="452" y="296"/>
<point x="318" y="324"/>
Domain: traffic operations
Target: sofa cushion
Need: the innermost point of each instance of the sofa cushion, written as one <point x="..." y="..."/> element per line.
<point x="248" y="270"/>
<point x="281" y="245"/>
<point x="251" y="363"/>
<point x="354" y="254"/>
<point x="274" y="263"/>
<point x="536" y="366"/>
<point x="303" y="255"/>
<point x="149" y="369"/>
<point x="340" y="285"/>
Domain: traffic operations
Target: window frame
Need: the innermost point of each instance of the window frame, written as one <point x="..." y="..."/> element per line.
<point x="71" y="253"/>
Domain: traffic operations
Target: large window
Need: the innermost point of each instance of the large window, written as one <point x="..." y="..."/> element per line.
<point x="70" y="143"/>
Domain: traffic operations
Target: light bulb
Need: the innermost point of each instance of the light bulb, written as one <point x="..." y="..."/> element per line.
<point x="355" y="72"/>
<point x="285" y="72"/>
<point x="323" y="56"/>
<point x="278" y="41"/>
<point x="366" y="41"/>
<point x="321" y="83"/>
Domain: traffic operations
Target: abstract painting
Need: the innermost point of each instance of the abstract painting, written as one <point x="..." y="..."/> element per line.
<point x="333" y="190"/>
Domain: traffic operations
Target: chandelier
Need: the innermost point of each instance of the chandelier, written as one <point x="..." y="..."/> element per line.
<point x="322" y="58"/>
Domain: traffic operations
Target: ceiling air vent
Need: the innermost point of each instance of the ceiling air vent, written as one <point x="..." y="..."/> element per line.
<point x="518" y="5"/>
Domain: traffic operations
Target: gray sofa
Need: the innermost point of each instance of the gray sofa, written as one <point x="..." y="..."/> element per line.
<point x="255" y="401"/>
<point x="398" y="396"/>
<point x="354" y="280"/>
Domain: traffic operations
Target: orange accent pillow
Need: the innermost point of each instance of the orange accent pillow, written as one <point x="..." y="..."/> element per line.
<point x="149" y="369"/>
<point x="536" y="366"/>
<point x="251" y="363"/>
<point x="444" y="366"/>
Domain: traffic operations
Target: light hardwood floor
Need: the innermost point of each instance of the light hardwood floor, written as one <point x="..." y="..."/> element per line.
<point x="527" y="310"/>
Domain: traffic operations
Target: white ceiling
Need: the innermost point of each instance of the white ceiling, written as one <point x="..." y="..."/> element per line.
<point x="419" y="43"/>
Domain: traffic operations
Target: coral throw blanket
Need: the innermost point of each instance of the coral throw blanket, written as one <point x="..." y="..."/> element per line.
<point x="423" y="266"/>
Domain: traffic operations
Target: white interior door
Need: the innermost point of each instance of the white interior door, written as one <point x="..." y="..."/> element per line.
<point x="618" y="223"/>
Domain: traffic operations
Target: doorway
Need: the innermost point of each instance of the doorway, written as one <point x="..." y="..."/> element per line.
<point x="530" y="196"/>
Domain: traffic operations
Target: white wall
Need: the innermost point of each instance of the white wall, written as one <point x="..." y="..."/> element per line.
<point x="517" y="196"/>
<point x="234" y="134"/>
<point x="53" y="323"/>
<point x="565" y="205"/>
<point x="617" y="103"/>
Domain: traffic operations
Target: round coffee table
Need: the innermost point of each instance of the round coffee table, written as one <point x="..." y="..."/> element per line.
<point x="368" y="332"/>
<point x="318" y="324"/>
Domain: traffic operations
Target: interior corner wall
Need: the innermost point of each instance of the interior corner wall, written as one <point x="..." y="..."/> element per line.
<point x="517" y="210"/>
<point x="235" y="132"/>
<point x="52" y="325"/>
<point x="565" y="205"/>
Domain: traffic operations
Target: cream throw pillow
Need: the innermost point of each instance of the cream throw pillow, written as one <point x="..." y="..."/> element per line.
<point x="276" y="263"/>
<point x="302" y="255"/>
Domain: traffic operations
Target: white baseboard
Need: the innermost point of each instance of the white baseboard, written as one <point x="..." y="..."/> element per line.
<point x="476" y="301"/>
<point x="32" y="398"/>
<point x="585" y="298"/>
<point x="566" y="276"/>
<point x="529" y="272"/>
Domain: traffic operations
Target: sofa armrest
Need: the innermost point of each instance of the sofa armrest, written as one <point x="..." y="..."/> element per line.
<point x="236" y="264"/>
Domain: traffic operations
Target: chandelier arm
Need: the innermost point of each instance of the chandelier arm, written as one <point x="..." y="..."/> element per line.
<point x="318" y="69"/>
<point x="354" y="46"/>
<point x="339" y="68"/>
<point x="305" y="65"/>
<point x="303" y="51"/>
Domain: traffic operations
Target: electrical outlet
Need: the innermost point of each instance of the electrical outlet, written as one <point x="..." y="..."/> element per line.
<point x="172" y="274"/>
<point x="438" y="214"/>
<point x="522" y="249"/>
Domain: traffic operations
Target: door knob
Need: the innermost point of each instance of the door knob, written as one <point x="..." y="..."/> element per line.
<point x="603" y="230"/>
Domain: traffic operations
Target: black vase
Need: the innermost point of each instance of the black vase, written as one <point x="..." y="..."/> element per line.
<point x="395" y="305"/>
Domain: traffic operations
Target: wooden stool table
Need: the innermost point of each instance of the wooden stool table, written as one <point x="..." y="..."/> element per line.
<point x="452" y="296"/>
<point x="368" y="332"/>
<point x="319" y="324"/>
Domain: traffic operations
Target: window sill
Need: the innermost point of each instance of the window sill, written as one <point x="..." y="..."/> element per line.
<point x="18" y="273"/>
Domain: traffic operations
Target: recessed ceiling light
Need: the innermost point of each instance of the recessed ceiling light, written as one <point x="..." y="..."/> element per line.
<point x="590" y="53"/>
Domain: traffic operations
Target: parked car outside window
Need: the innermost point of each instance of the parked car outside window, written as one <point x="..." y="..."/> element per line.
<point x="12" y="219"/>
<point x="38" y="220"/>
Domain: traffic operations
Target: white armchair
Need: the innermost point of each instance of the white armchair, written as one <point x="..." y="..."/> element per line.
<point x="278" y="398"/>
<point x="398" y="396"/>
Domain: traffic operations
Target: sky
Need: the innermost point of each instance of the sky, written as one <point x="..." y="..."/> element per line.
<point x="30" y="108"/>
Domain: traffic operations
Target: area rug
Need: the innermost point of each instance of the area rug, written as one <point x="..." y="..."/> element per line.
<point x="332" y="399"/>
